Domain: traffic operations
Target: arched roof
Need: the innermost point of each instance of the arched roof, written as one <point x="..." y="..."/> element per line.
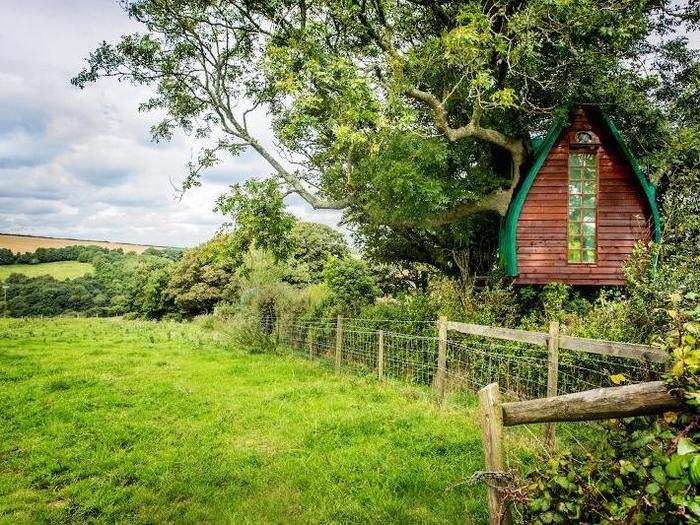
<point x="508" y="240"/>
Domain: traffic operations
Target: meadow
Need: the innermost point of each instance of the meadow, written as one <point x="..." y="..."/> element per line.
<point x="58" y="270"/>
<point x="108" y="420"/>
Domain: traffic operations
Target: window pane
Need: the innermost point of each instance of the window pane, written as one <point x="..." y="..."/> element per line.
<point x="581" y="243"/>
<point x="575" y="201"/>
<point x="589" y="187"/>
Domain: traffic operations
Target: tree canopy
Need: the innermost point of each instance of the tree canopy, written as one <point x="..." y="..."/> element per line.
<point x="410" y="115"/>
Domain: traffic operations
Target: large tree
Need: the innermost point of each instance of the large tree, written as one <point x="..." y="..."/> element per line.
<point x="410" y="115"/>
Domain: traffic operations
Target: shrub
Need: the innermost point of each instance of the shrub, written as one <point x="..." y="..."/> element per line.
<point x="645" y="470"/>
<point x="350" y="284"/>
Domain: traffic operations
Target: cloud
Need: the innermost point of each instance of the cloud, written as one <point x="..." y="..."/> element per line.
<point x="80" y="163"/>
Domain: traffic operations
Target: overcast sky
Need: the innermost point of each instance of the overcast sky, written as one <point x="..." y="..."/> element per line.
<point x="80" y="163"/>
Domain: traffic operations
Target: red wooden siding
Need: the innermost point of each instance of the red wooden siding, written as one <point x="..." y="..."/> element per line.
<point x="623" y="215"/>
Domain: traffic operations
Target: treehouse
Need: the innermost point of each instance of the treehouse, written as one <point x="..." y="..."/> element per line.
<point x="581" y="206"/>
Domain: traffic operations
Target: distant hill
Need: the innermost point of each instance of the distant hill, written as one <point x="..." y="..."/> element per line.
<point x="29" y="243"/>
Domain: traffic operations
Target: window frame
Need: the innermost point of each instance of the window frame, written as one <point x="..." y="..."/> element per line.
<point x="593" y="152"/>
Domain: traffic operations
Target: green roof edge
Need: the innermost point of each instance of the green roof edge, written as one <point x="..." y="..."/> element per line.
<point x="507" y="238"/>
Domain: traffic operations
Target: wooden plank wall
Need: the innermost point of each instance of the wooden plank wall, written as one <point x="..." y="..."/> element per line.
<point x="623" y="214"/>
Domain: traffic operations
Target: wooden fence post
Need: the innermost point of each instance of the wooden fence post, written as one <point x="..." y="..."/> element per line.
<point x="552" y="376"/>
<point x="338" y="342"/>
<point x="380" y="356"/>
<point x="492" y="436"/>
<point x="442" y="359"/>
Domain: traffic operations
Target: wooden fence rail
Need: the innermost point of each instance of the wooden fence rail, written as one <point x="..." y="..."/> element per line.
<point x="600" y="403"/>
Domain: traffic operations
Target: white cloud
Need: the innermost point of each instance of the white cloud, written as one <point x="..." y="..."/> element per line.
<point x="81" y="163"/>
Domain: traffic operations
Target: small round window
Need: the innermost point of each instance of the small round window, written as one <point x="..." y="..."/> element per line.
<point x="584" y="137"/>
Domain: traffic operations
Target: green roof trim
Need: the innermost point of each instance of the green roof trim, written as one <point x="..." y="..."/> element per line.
<point x="509" y="224"/>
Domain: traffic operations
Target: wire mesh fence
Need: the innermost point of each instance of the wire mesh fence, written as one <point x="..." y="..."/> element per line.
<point x="409" y="353"/>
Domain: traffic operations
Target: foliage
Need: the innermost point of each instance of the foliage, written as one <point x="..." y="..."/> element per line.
<point x="645" y="470"/>
<point x="147" y="287"/>
<point x="350" y="284"/>
<point x="312" y="245"/>
<point x="46" y="296"/>
<point x="205" y="276"/>
<point x="257" y="208"/>
<point x="6" y="256"/>
<point x="410" y="116"/>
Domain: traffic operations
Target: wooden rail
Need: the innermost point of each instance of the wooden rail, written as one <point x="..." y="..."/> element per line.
<point x="508" y="334"/>
<point x="567" y="342"/>
<point x="600" y="403"/>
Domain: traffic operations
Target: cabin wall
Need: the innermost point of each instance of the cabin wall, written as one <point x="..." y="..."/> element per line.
<point x="623" y="215"/>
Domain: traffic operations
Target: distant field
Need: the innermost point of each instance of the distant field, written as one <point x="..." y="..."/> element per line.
<point x="59" y="270"/>
<point x="29" y="243"/>
<point x="114" y="421"/>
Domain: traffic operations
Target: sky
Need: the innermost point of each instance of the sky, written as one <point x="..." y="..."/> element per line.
<point x="80" y="163"/>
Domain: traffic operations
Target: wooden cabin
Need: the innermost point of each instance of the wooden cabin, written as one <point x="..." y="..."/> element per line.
<point x="581" y="206"/>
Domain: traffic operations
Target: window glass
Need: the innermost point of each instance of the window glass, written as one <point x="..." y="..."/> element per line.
<point x="583" y="189"/>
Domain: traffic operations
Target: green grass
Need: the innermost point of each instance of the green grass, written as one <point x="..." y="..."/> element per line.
<point x="59" y="270"/>
<point x="126" y="421"/>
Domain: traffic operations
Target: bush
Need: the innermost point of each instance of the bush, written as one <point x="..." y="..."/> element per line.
<point x="350" y="284"/>
<point x="6" y="256"/>
<point x="645" y="470"/>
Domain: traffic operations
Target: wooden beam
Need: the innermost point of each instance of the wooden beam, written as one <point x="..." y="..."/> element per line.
<point x="492" y="437"/>
<point x="509" y="334"/>
<point x="338" y="343"/>
<point x="600" y="403"/>
<point x="552" y="375"/>
<point x="442" y="359"/>
<point x="628" y="350"/>
<point x="380" y="356"/>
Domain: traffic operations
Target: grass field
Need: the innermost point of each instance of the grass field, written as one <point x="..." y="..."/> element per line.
<point x="60" y="270"/>
<point x="126" y="421"/>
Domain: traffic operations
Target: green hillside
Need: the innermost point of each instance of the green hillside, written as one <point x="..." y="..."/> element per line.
<point x="59" y="270"/>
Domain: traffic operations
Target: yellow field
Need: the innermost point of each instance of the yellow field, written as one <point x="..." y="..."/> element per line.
<point x="29" y="243"/>
<point x="58" y="270"/>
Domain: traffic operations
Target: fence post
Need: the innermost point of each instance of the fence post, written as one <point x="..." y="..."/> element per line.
<point x="492" y="436"/>
<point x="552" y="375"/>
<point x="380" y="356"/>
<point x="442" y="358"/>
<point x="338" y="342"/>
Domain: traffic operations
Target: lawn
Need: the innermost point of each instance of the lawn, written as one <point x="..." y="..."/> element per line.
<point x="60" y="270"/>
<point x="124" y="421"/>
